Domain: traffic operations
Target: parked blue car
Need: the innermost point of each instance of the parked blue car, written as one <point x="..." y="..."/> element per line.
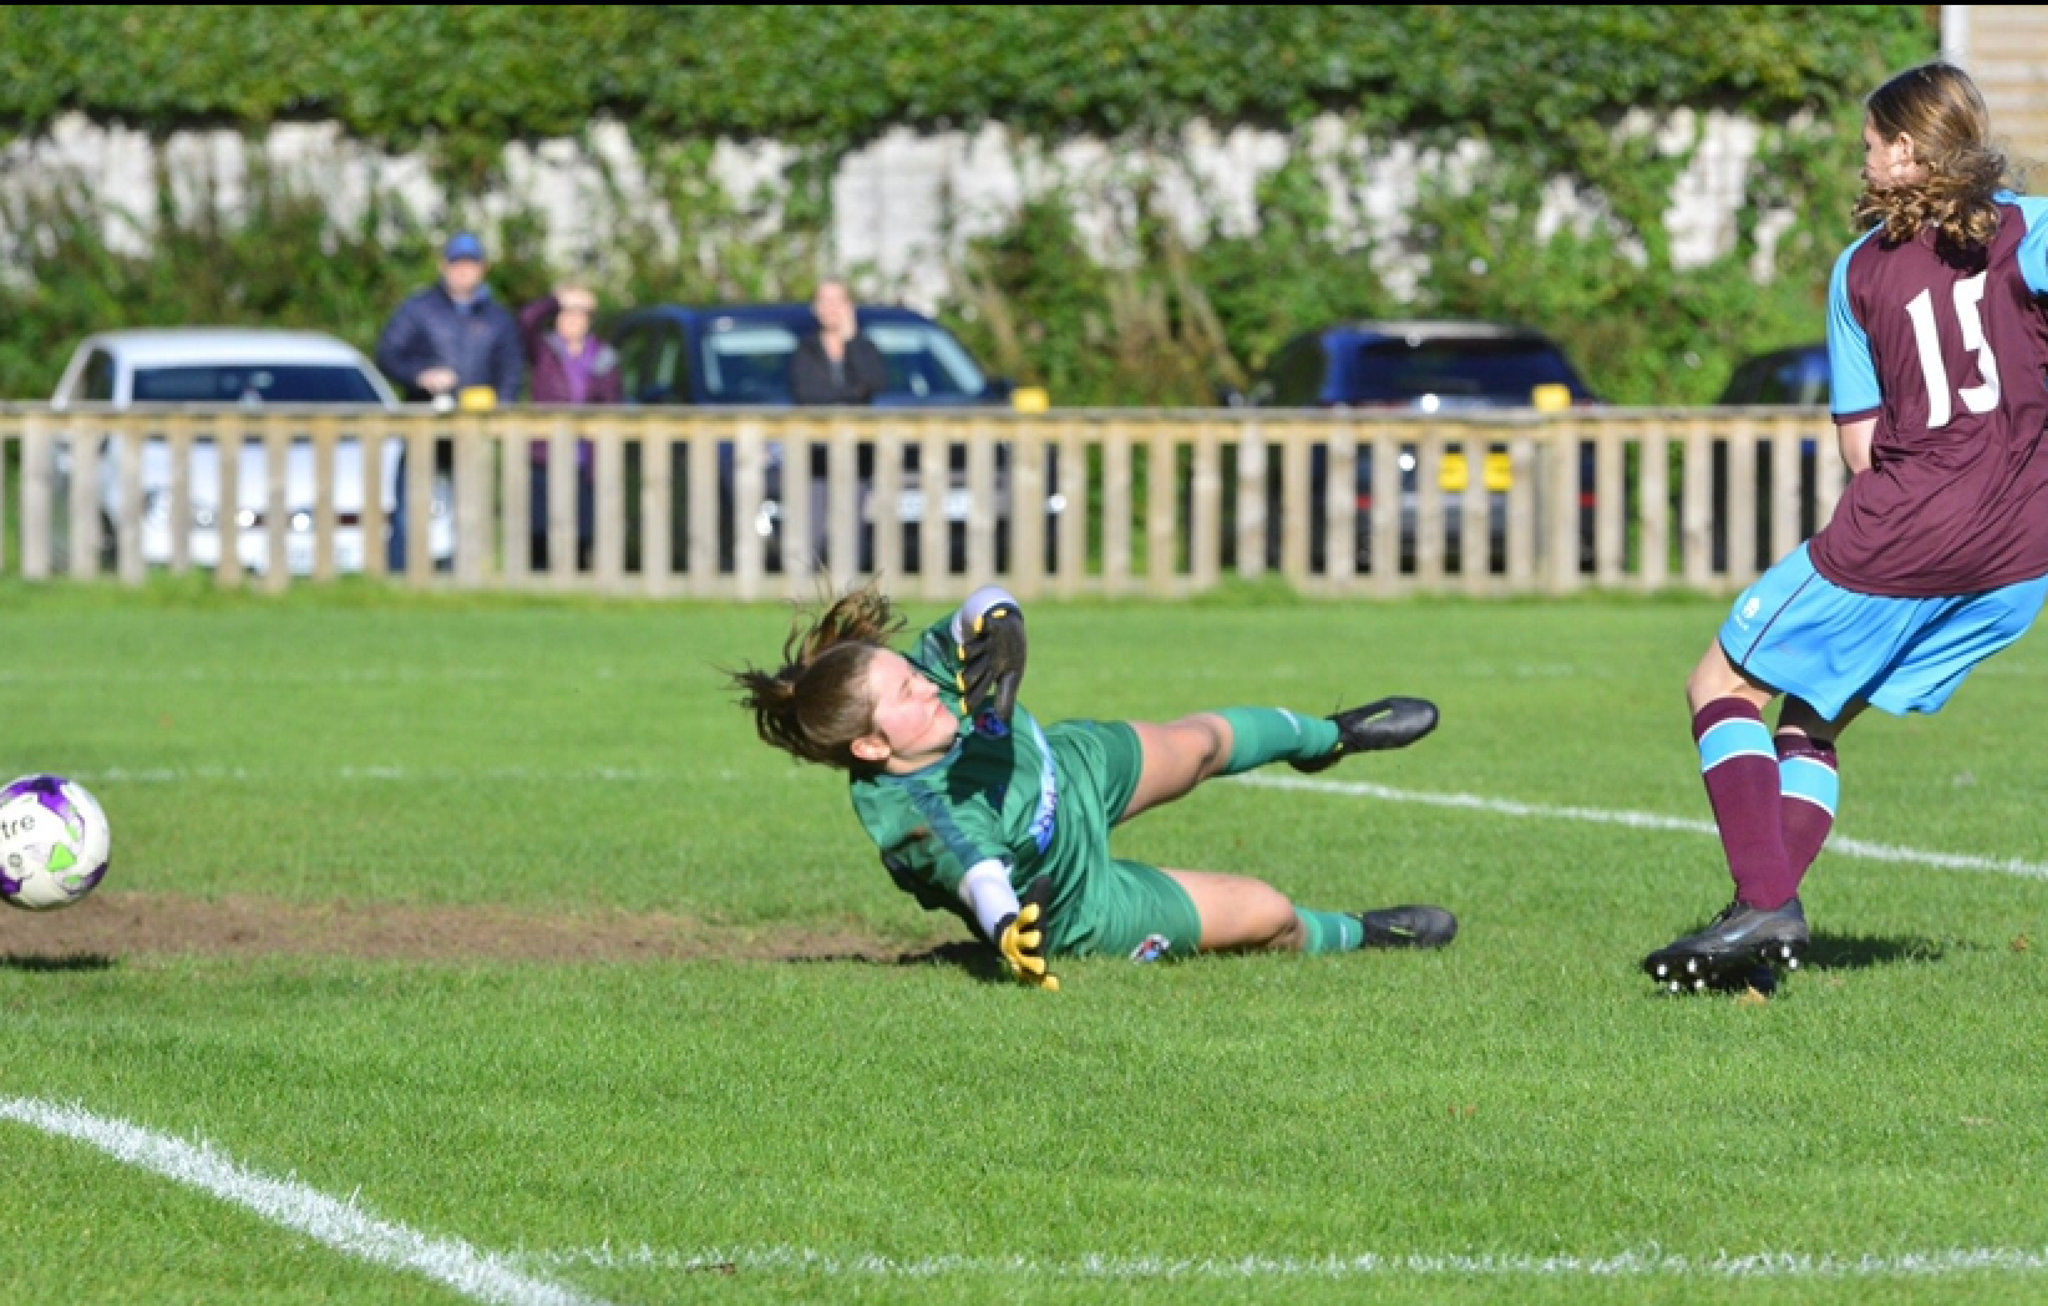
<point x="1425" y="366"/>
<point x="1795" y="375"/>
<point x="738" y="355"/>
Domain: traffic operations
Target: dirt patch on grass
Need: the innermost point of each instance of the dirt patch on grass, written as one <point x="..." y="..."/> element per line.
<point x="110" y="926"/>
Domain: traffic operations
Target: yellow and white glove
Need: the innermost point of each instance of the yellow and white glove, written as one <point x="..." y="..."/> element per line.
<point x="989" y="629"/>
<point x="1020" y="938"/>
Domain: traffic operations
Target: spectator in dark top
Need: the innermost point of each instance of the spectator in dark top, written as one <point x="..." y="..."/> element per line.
<point x="451" y="339"/>
<point x="570" y="364"/>
<point x="454" y="335"/>
<point x="837" y="364"/>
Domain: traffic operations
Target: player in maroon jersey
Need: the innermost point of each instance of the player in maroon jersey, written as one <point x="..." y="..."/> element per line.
<point x="1937" y="555"/>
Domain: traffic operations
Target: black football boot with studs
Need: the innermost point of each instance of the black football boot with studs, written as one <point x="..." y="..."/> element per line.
<point x="1374" y="728"/>
<point x="1737" y="944"/>
<point x="1408" y="927"/>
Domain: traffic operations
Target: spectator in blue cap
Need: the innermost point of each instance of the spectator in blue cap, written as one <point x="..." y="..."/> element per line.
<point x="453" y="338"/>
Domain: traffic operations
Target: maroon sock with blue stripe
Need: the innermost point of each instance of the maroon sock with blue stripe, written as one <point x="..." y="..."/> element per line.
<point x="1809" y="780"/>
<point x="1740" y="767"/>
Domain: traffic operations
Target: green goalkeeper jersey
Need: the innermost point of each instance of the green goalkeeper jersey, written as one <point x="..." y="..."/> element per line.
<point x="996" y="795"/>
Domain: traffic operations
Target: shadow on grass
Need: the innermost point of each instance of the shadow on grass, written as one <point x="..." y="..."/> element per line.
<point x="34" y="964"/>
<point x="977" y="959"/>
<point x="1863" y="951"/>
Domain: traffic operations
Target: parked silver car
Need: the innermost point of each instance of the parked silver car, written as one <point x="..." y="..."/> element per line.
<point x="246" y="367"/>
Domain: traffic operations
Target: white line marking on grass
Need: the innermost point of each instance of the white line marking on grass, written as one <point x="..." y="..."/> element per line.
<point x="340" y="1225"/>
<point x="1759" y="1265"/>
<point x="1645" y="821"/>
<point x="379" y="774"/>
<point x="1839" y="844"/>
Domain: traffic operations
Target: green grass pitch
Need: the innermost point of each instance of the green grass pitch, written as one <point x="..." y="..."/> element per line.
<point x="791" y="1089"/>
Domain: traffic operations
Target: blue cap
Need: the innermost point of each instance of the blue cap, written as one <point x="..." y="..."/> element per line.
<point x="463" y="245"/>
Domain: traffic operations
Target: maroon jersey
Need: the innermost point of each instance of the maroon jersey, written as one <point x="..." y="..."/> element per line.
<point x="1951" y="357"/>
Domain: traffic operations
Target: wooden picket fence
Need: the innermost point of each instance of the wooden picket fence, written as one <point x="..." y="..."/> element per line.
<point x="757" y="504"/>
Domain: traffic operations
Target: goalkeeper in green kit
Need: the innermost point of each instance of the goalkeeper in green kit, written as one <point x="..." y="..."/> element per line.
<point x="980" y="809"/>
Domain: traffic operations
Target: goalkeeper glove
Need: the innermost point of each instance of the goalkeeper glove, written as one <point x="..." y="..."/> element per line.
<point x="992" y="662"/>
<point x="1020" y="937"/>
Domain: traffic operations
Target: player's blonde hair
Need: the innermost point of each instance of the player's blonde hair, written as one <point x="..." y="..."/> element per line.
<point x="816" y="705"/>
<point x="1941" y="109"/>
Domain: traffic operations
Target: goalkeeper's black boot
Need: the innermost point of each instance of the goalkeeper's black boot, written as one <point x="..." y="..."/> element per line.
<point x="1738" y="942"/>
<point x="1376" y="727"/>
<point x="1408" y="927"/>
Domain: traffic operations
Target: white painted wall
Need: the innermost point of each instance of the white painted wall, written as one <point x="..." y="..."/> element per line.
<point x="890" y="199"/>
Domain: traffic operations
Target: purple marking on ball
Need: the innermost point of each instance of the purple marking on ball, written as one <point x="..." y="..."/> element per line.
<point x="49" y="791"/>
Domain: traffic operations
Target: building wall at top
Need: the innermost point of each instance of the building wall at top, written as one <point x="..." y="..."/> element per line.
<point x="2005" y="49"/>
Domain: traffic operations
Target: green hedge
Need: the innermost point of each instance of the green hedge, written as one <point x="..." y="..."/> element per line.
<point x="838" y="74"/>
<point x="1543" y="86"/>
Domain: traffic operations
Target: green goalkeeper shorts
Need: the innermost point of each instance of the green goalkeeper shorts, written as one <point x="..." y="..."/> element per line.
<point x="1108" y="906"/>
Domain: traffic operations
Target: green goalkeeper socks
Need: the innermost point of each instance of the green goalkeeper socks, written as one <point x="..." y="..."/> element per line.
<point x="1330" y="931"/>
<point x="1270" y="734"/>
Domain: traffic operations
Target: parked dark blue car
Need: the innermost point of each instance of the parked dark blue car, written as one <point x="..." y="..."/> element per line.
<point x="1797" y="375"/>
<point x="1426" y="366"/>
<point x="739" y="354"/>
<point x="1794" y="375"/>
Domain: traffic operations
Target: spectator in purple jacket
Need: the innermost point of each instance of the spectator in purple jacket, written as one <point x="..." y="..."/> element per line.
<point x="569" y="365"/>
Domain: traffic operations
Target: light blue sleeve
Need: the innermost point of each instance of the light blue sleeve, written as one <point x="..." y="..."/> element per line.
<point x="2033" y="253"/>
<point x="1852" y="374"/>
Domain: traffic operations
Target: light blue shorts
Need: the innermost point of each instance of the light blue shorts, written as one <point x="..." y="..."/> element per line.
<point x="1798" y="632"/>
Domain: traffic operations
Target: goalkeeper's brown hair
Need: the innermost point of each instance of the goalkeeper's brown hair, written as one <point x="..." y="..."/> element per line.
<point x="1941" y="109"/>
<point x="816" y="704"/>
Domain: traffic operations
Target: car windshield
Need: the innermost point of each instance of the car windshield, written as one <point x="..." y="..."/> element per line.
<point x="1476" y="371"/>
<point x="289" y="383"/>
<point x="748" y="363"/>
<point x="1799" y="377"/>
<point x="926" y="363"/>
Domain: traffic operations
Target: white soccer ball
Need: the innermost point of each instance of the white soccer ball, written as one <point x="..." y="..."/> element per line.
<point x="54" y="842"/>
